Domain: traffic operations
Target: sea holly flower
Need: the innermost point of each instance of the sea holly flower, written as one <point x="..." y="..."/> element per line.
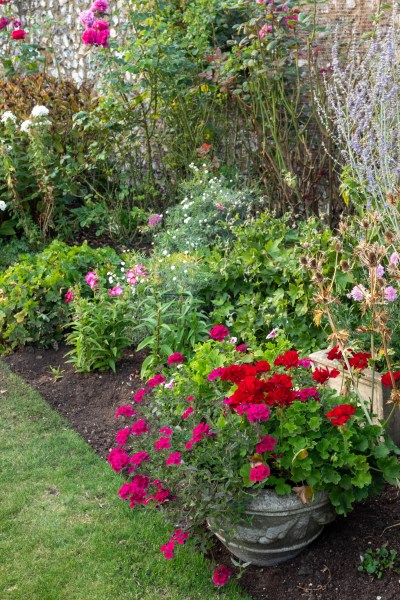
<point x="340" y="414"/>
<point x="259" y="473"/>
<point x="221" y="576"/>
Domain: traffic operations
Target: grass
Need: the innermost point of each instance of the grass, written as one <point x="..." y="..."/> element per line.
<point x="64" y="533"/>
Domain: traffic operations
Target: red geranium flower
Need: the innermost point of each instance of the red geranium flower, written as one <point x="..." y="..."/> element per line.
<point x="322" y="375"/>
<point x="359" y="360"/>
<point x="335" y="354"/>
<point x="288" y="360"/>
<point x="341" y="414"/>
<point x="219" y="333"/>
<point x="387" y="380"/>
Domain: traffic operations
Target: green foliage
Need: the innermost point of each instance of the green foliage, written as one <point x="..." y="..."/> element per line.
<point x="32" y="307"/>
<point x="377" y="562"/>
<point x="170" y="325"/>
<point x="99" y="331"/>
<point x="259" y="283"/>
<point x="210" y="207"/>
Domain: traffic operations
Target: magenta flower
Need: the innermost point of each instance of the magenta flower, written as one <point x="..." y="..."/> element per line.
<point x="168" y="550"/>
<point x="116" y="291"/>
<point x="100" y="6"/>
<point x="3" y="23"/>
<point x="174" y="459"/>
<point x="215" y="374"/>
<point x="87" y="18"/>
<point x="241" y="348"/>
<point x="380" y="271"/>
<point x="219" y="333"/>
<point x="139" y="427"/>
<point x="91" y="279"/>
<point x="138" y="396"/>
<point x="155" y="220"/>
<point x="123" y="435"/>
<point x="221" y="576"/>
<point x="166" y="430"/>
<point x="138" y="458"/>
<point x="306" y="363"/>
<point x="220" y="206"/>
<point x="189" y="411"/>
<point x="89" y="37"/>
<point x="258" y="412"/>
<point x="272" y="334"/>
<point x="176" y="359"/>
<point x="125" y="411"/>
<point x="357" y="293"/>
<point x="69" y="296"/>
<point x="162" y="443"/>
<point x="390" y="294"/>
<point x="156" y="380"/>
<point x="266" y="444"/>
<point x="118" y="459"/>
<point x="259" y="473"/>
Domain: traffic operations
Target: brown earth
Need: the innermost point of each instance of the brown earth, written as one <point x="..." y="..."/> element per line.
<point x="326" y="571"/>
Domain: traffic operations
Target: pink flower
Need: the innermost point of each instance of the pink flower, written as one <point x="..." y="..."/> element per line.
<point x="140" y="270"/>
<point x="118" y="459"/>
<point x="163" y="443"/>
<point x="87" y="18"/>
<point x="215" y="374"/>
<point x="89" y="37"/>
<point x="241" y="348"/>
<point x="156" y="380"/>
<point x="221" y="576"/>
<point x="179" y="536"/>
<point x="101" y="25"/>
<point x="138" y="396"/>
<point x="3" y="23"/>
<point x="122" y="435"/>
<point x="174" y="459"/>
<point x="264" y="30"/>
<point x="306" y="393"/>
<point x="139" y="427"/>
<point x="100" y="6"/>
<point x="155" y="220"/>
<point x="190" y="399"/>
<point x="125" y="411"/>
<point x="176" y="359"/>
<point x="390" y="294"/>
<point x="91" y="279"/>
<point x="266" y="444"/>
<point x="380" y="271"/>
<point x="259" y="473"/>
<point x="199" y="432"/>
<point x="219" y="206"/>
<point x="166" y="431"/>
<point x="272" y="334"/>
<point x="138" y="458"/>
<point x="116" y="291"/>
<point x="305" y="363"/>
<point x="131" y="277"/>
<point x="168" y="550"/>
<point x="357" y="293"/>
<point x="18" y="34"/>
<point x="219" y="333"/>
<point x="69" y="296"/>
<point x="258" y="412"/>
<point x="394" y="258"/>
<point x="188" y="412"/>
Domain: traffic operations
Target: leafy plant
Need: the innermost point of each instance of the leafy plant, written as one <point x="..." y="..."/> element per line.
<point x="32" y="307"/>
<point x="56" y="372"/>
<point x="377" y="562"/>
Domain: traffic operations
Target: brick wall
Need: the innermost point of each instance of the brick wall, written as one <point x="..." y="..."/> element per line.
<point x="73" y="58"/>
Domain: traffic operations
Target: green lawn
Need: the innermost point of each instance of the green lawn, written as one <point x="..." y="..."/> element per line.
<point x="64" y="533"/>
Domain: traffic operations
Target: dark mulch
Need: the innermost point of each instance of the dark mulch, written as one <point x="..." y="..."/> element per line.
<point x="327" y="571"/>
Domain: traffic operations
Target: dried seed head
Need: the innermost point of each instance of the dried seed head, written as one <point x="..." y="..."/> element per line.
<point x="365" y="224"/>
<point x="395" y="397"/>
<point x="391" y="198"/>
<point x="372" y="259"/>
<point x="304" y="261"/>
<point x="342" y="226"/>
<point x="389" y="237"/>
<point x="319" y="277"/>
<point x="345" y="266"/>
<point x="338" y="246"/>
<point x="313" y="264"/>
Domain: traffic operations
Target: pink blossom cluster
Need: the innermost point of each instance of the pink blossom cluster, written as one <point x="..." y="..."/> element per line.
<point x="155" y="220"/>
<point x="91" y="279"/>
<point x="97" y="30"/>
<point x="132" y="275"/>
<point x="199" y="433"/>
<point x="178" y="537"/>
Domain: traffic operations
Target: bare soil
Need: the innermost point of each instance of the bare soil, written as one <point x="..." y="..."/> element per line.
<point x="326" y="571"/>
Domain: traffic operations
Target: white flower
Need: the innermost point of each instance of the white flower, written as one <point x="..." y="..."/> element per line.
<point x="172" y="267"/>
<point x="39" y="111"/>
<point x="25" y="125"/>
<point x="8" y="116"/>
<point x="3" y="205"/>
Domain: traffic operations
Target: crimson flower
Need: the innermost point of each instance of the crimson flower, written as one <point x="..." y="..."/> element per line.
<point x="359" y="360"/>
<point x="334" y="354"/>
<point x="221" y="575"/>
<point x="176" y="359"/>
<point x="341" y="414"/>
<point x="219" y="333"/>
<point x="387" y="379"/>
<point x="18" y="34"/>
<point x="288" y="360"/>
<point x="259" y="473"/>
<point x="321" y="375"/>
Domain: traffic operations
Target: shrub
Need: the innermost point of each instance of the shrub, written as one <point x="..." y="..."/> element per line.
<point x="259" y="284"/>
<point x="32" y="307"/>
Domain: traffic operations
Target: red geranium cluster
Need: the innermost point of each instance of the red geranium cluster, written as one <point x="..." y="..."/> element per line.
<point x="340" y="414"/>
<point x="387" y="380"/>
<point x="358" y="360"/>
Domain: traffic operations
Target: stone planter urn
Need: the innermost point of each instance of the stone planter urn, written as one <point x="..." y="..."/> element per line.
<point x="380" y="406"/>
<point x="279" y="527"/>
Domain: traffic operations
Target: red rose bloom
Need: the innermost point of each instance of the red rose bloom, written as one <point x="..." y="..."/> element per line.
<point x="387" y="380"/>
<point x="18" y="34"/>
<point x="341" y="414"/>
<point x="321" y="375"/>
<point x="288" y="360"/>
<point x="334" y="354"/>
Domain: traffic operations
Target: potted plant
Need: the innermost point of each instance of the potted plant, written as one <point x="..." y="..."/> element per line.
<point x="238" y="436"/>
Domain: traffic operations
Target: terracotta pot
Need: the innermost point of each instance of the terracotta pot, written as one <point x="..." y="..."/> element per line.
<point x="279" y="528"/>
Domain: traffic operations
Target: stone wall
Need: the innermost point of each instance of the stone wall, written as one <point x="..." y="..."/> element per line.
<point x="73" y="58"/>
